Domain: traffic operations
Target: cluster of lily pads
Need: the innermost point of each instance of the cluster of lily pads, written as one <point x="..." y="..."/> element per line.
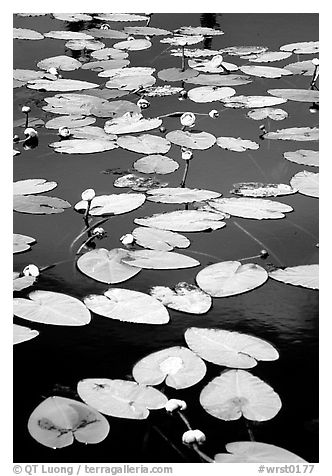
<point x="77" y="105"/>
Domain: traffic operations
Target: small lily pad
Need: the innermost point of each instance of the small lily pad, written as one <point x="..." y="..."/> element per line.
<point x="145" y="144"/>
<point x="133" y="45"/>
<point x="199" y="30"/>
<point x="273" y="113"/>
<point x="22" y="243"/>
<point x="236" y="144"/>
<point x="243" y="50"/>
<point x="180" y="195"/>
<point x="254" y="208"/>
<point x="183" y="297"/>
<point x="32" y="186"/>
<point x="25" y="34"/>
<point x="155" y="164"/>
<point x="161" y="240"/>
<point x="191" y="140"/>
<point x="89" y="45"/>
<point x="294" y="133"/>
<point x="210" y="94"/>
<point x="41" y="205"/>
<point x="306" y="183"/>
<point x="184" y="220"/>
<point x="258" y="189"/>
<point x="155" y="259"/>
<point x="194" y="52"/>
<point x="306" y="276"/>
<point x="23" y="334"/>
<point x="61" y="62"/>
<point x="303" y="157"/>
<point x="214" y="66"/>
<point x="183" y="40"/>
<point x="109" y="53"/>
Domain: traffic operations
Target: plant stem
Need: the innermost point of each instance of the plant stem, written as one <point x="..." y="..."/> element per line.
<point x="26" y="120"/>
<point x="183" y="182"/>
<point x="91" y="238"/>
<point x="201" y="454"/>
<point x="183" y="60"/>
<point x="184" y="419"/>
<point x="86" y="230"/>
<point x="250" y="432"/>
<point x="169" y="442"/>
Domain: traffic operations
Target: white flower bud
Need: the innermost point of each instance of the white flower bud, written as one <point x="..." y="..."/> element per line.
<point x="127" y="239"/>
<point x="193" y="436"/>
<point x="174" y="404"/>
<point x="26" y="109"/>
<point x="53" y="71"/>
<point x="64" y="132"/>
<point x="30" y="132"/>
<point x="88" y="194"/>
<point x="181" y="41"/>
<point x="315" y="61"/>
<point x="143" y="103"/>
<point x="214" y="113"/>
<point x="216" y="61"/>
<point x="105" y="26"/>
<point x="99" y="232"/>
<point x="186" y="154"/>
<point x="130" y="38"/>
<point x="188" y="119"/>
<point x="31" y="270"/>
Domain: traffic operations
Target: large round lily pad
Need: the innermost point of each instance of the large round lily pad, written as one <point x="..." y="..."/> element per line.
<point x="156" y="164"/>
<point x="68" y="35"/>
<point x="184" y="220"/>
<point x="183" y="297"/>
<point x="306" y="276"/>
<point x="191" y="140"/>
<point x="121" y="17"/>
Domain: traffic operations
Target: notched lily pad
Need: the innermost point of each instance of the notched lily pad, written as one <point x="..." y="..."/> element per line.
<point x="88" y="45"/>
<point x="146" y="31"/>
<point x="268" y="56"/>
<point x="306" y="276"/>
<point x="72" y="17"/>
<point x="273" y="113"/>
<point x="131" y="82"/>
<point x="32" y="186"/>
<point x="40" y="205"/>
<point x="23" y="334"/>
<point x="236" y="144"/>
<point x="22" y="282"/>
<point x="67" y="35"/>
<point x="114" y="204"/>
<point x="303" y="157"/>
<point x="156" y="164"/>
<point x="184" y="220"/>
<point x="306" y="183"/>
<point x="22" y="243"/>
<point x="305" y="68"/>
<point x="155" y="259"/>
<point x="183" y="40"/>
<point x="294" y="133"/>
<point x="191" y="140"/>
<point x="145" y="144"/>
<point x="161" y="240"/>
<point x="122" y="17"/>
<point x="183" y="297"/>
<point x="243" y="50"/>
<point x="198" y="30"/>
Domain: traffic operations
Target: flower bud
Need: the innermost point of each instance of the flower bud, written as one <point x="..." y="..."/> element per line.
<point x="214" y="113"/>
<point x="88" y="194"/>
<point x="314" y="108"/>
<point x="315" y="61"/>
<point x="105" y="26"/>
<point x="31" y="270"/>
<point x="99" y="232"/>
<point x="186" y="154"/>
<point x="64" y="132"/>
<point x="188" y="119"/>
<point x="53" y="71"/>
<point x="216" y="61"/>
<point x="26" y="109"/>
<point x="127" y="239"/>
<point x="130" y="38"/>
<point x="264" y="254"/>
<point x="183" y="93"/>
<point x="174" y="404"/>
<point x="143" y="103"/>
<point x="193" y="436"/>
<point x="162" y="129"/>
<point x="30" y="132"/>
<point x="181" y="41"/>
<point x="16" y="138"/>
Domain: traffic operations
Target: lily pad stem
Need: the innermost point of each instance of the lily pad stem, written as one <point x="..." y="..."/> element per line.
<point x="183" y="60"/>
<point x="26" y="120"/>
<point x="250" y="432"/>
<point x="184" y="419"/>
<point x="164" y="437"/>
<point x="183" y="182"/>
<point x="86" y="230"/>
<point x="201" y="454"/>
<point x="91" y="238"/>
<point x="86" y="214"/>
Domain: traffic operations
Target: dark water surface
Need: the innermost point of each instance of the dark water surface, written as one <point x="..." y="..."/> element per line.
<point x="287" y="316"/>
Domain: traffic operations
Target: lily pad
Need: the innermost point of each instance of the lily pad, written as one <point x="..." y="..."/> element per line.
<point x="214" y="66"/>
<point x="306" y="183"/>
<point x="227" y="348"/>
<point x="61" y="62"/>
<point x="23" y="334"/>
<point x="273" y="113"/>
<point x="22" y="282"/>
<point x="183" y="297"/>
<point x="254" y="208"/>
<point x="106" y="266"/>
<point x="155" y="164"/>
<point x="306" y="276"/>
<point x="26" y="75"/>
<point x="84" y="44"/>
<point x="302" y="48"/>
<point x="237" y="392"/>
<point x="69" y="121"/>
<point x="176" y="74"/>
<point x="115" y="204"/>
<point x="138" y="183"/>
<point x="41" y="205"/>
<point x="161" y="91"/>
<point x="252" y="101"/>
<point x="191" y="140"/>
<point x="130" y="123"/>
<point x="258" y="189"/>
<point x="32" y="186"/>
<point x="133" y="45"/>
<point x="199" y="30"/>
<point x="74" y="104"/>
<point x="54" y="308"/>
<point x="229" y="278"/>
<point x="104" y="65"/>
<point x="236" y="144"/>
<point x="109" y="53"/>
<point x="306" y="68"/>
<point x="22" y="243"/>
<point x="131" y="82"/>
<point x="107" y="33"/>
<point x="183" y="40"/>
<point x="115" y="109"/>
<point x="121" y="17"/>
<point x="243" y="50"/>
<point x="146" y="31"/>
<point x="256" y="452"/>
<point x="57" y="421"/>
<point x="67" y="35"/>
<point x="184" y="220"/>
<point x="128" y="306"/>
<point x="194" y="52"/>
<point x="268" y="56"/>
<point x="303" y="157"/>
<point x="180" y="195"/>
<point x="121" y="398"/>
<point x="161" y="240"/>
<point x="61" y="85"/>
<point x="294" y="133"/>
<point x="83" y="146"/>
<point x="132" y="71"/>
<point x="178" y="366"/>
<point x="145" y="144"/>
<point x="72" y="17"/>
<point x="301" y="95"/>
<point x="220" y="80"/>
<point x="265" y="71"/>
<point x="210" y="94"/>
<point x="25" y="34"/>
<point x="91" y="132"/>
<point x="155" y="259"/>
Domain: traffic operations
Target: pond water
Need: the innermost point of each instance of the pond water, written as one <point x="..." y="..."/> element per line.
<point x="286" y="316"/>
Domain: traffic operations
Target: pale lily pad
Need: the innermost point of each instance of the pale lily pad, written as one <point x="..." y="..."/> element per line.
<point x="258" y="189"/>
<point x="256" y="452"/>
<point x="41" y="205"/>
<point x="155" y="259"/>
<point x="146" y="31"/>
<point x="180" y="195"/>
<point x="69" y="121"/>
<point x="74" y="104"/>
<point x="107" y="33"/>
<point x="161" y="240"/>
<point x="306" y="183"/>
<point x="183" y="297"/>
<point x="215" y="65"/>
<point x="145" y="144"/>
<point x="219" y="80"/>
<point x="120" y="17"/>
<point x="301" y="95"/>
<point x="106" y="266"/>
<point x="22" y="243"/>
<point x="109" y="53"/>
<point x="121" y="398"/>
<point x="199" y="30"/>
<point x="132" y="71"/>
<point x="183" y="40"/>
<point x="61" y="62"/>
<point x="130" y="123"/>
<point x="23" y="334"/>
<point x="91" y="132"/>
<point x="236" y="144"/>
<point x="57" y="421"/>
<point x="155" y="164"/>
<point x="243" y="50"/>
<point x="303" y="157"/>
<point x="191" y="140"/>
<point x="194" y="52"/>
<point x="54" y="308"/>
<point x="254" y="208"/>
<point x="178" y="366"/>
<point x="137" y="183"/>
<point x="230" y="349"/>
<point x="61" y="85"/>
<point x="302" y="48"/>
<point x="128" y="306"/>
<point x="294" y="133"/>
<point x="265" y="71"/>
<point x="104" y="65"/>
<point x="229" y="278"/>
<point x="210" y="94"/>
<point x="67" y="35"/>
<point x="306" y="68"/>
<point x="268" y="56"/>
<point x="253" y="101"/>
<point x="133" y="45"/>
<point x="273" y="113"/>
<point x="131" y="82"/>
<point x="26" y="75"/>
<point x="22" y="282"/>
<point x="237" y="392"/>
<point x="161" y="91"/>
<point x="89" y="45"/>
<point x="184" y="220"/>
<point x="30" y="14"/>
<point x="176" y="74"/>
<point x="115" y="109"/>
<point x="72" y="17"/>
<point x="32" y="186"/>
<point x="306" y="276"/>
<point x="83" y="146"/>
<point x="25" y="34"/>
<point x="115" y="204"/>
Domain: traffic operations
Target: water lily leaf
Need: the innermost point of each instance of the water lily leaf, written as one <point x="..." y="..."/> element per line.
<point x="106" y="266"/>
<point x="107" y="33"/>
<point x="107" y="93"/>
<point x="115" y="204"/>
<point x="301" y="95"/>
<point x="41" y="205"/>
<point x="306" y="182"/>
<point x="229" y="278"/>
<point x="84" y="44"/>
<point x="273" y="113"/>
<point x="306" y="276"/>
<point x="145" y="144"/>
<point x="146" y="31"/>
<point x="194" y="52"/>
<point x="23" y="334"/>
<point x="184" y="220"/>
<point x="54" y="308"/>
<point x="67" y="35"/>
<point x="61" y="62"/>
<point x="91" y="132"/>
<point x="74" y="104"/>
<point x="61" y="85"/>
<point x="220" y="80"/>
<point x="294" y="133"/>
<point x="25" y="34"/>
<point x="161" y="240"/>
<point x="208" y="66"/>
<point x="115" y="109"/>
<point x="254" y="208"/>
<point x="109" y="53"/>
<point x="130" y="123"/>
<point x="18" y="84"/>
<point x="106" y="64"/>
<point x="252" y="101"/>
<point x="155" y="164"/>
<point x="160" y="91"/>
<point x="236" y="144"/>
<point x="183" y="40"/>
<point x="22" y="282"/>
<point x="137" y="183"/>
<point x="83" y="146"/>
<point x="303" y="157"/>
<point x="176" y="74"/>
<point x="302" y="48"/>
<point x="210" y="94"/>
<point x="230" y="349"/>
<point x="72" y="17"/>
<point x="183" y="297"/>
<point x="178" y="366"/>
<point x="121" y="398"/>
<point x="57" y="421"/>
<point x="121" y="17"/>
<point x="258" y="189"/>
<point x="237" y="392"/>
<point x="268" y="56"/>
<point x="306" y="68"/>
<point x="191" y="140"/>
<point x="128" y="306"/>
<point x="30" y="14"/>
<point x="132" y="71"/>
<point x="180" y="195"/>
<point x="133" y="45"/>
<point x="265" y="71"/>
<point x="26" y="75"/>
<point x="243" y="50"/>
<point x="256" y="452"/>
<point x="131" y="82"/>
<point x="32" y="186"/>
<point x="155" y="259"/>
<point x="22" y="243"/>
<point x="198" y="30"/>
<point x="69" y="121"/>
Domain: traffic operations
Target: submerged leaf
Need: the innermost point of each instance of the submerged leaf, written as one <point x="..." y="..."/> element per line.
<point x="191" y="140"/>
<point x="303" y="157"/>
<point x="183" y="297"/>
<point x="254" y="208"/>
<point x="306" y="276"/>
<point x="155" y="164"/>
<point x="22" y="243"/>
<point x="184" y="220"/>
<point x="114" y="204"/>
<point x="161" y="240"/>
<point x="258" y="189"/>
<point x="23" y="334"/>
<point x="256" y="452"/>
<point x="306" y="182"/>
<point x="236" y="144"/>
<point x="155" y="259"/>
